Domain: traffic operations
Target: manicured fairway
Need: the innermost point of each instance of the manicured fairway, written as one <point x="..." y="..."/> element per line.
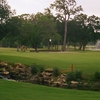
<point x="88" y="61"/>
<point x="24" y="91"/>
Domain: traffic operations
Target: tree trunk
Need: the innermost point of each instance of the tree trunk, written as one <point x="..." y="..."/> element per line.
<point x="1" y="44"/>
<point x="80" y="47"/>
<point x="65" y="34"/>
<point x="35" y="47"/>
<point x="36" y="50"/>
<point x="48" y="45"/>
<point x="74" y="47"/>
<point x="57" y="46"/>
<point x="84" y="47"/>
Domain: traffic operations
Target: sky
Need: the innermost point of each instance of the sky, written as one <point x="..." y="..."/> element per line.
<point x="90" y="7"/>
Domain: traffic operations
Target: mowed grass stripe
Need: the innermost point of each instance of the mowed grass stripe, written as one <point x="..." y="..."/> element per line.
<point x="87" y="61"/>
<point x="25" y="91"/>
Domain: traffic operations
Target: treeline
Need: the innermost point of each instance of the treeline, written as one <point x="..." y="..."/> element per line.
<point x="46" y="29"/>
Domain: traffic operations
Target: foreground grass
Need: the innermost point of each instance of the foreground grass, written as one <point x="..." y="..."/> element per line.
<point x="25" y="91"/>
<point x="85" y="61"/>
<point x="88" y="61"/>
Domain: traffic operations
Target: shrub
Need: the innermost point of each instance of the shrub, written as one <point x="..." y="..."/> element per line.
<point x="74" y="76"/>
<point x="96" y="76"/>
<point x="34" y="69"/>
<point x="56" y="71"/>
<point x="70" y="76"/>
<point x="78" y="75"/>
<point x="40" y="68"/>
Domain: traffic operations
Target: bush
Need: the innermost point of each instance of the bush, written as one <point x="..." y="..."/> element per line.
<point x="34" y="69"/>
<point x="56" y="71"/>
<point x="74" y="76"/>
<point x="70" y="76"/>
<point x="78" y="75"/>
<point x="96" y="76"/>
<point x="40" y="68"/>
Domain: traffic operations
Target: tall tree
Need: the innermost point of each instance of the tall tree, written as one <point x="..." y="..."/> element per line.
<point x="94" y="24"/>
<point x="37" y="28"/>
<point x="56" y="39"/>
<point x="88" y="29"/>
<point x="13" y="29"/>
<point x="84" y="34"/>
<point x="65" y="9"/>
<point x="5" y="14"/>
<point x="73" y="33"/>
<point x="94" y="21"/>
<point x="47" y="29"/>
<point x="5" y="11"/>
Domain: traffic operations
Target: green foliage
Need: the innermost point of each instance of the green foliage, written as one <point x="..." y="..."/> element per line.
<point x="40" y="68"/>
<point x="5" y="14"/>
<point x="56" y="71"/>
<point x="65" y="9"/>
<point x="5" y="11"/>
<point x="78" y="75"/>
<point x="74" y="76"/>
<point x="34" y="29"/>
<point x="70" y="76"/>
<point x="36" y="69"/>
<point x="96" y="76"/>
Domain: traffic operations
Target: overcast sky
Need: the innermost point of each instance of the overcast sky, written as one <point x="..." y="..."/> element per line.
<point x="90" y="7"/>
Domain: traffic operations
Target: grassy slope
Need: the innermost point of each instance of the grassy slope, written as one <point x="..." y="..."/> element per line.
<point x="24" y="91"/>
<point x="85" y="61"/>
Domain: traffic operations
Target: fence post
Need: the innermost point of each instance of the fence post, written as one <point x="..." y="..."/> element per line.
<point x="72" y="68"/>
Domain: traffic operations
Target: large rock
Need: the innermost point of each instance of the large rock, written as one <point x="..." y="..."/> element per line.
<point x="44" y="78"/>
<point x="15" y="71"/>
<point x="61" y="81"/>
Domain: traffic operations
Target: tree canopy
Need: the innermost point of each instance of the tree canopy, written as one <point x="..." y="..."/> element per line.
<point x="65" y="8"/>
<point x="5" y="14"/>
<point x="48" y="29"/>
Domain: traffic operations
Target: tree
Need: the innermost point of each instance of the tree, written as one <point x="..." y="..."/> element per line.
<point x="5" y="11"/>
<point x="35" y="36"/>
<point x="65" y="9"/>
<point x="60" y="28"/>
<point x="13" y="29"/>
<point x="84" y="32"/>
<point x="88" y="28"/>
<point x="73" y="33"/>
<point x="47" y="29"/>
<point x="30" y="32"/>
<point x="56" y="39"/>
<point x="94" y="24"/>
<point x="37" y="28"/>
<point x="5" y="14"/>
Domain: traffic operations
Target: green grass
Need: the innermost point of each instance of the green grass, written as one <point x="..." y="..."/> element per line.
<point x="25" y="91"/>
<point x="88" y="61"/>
